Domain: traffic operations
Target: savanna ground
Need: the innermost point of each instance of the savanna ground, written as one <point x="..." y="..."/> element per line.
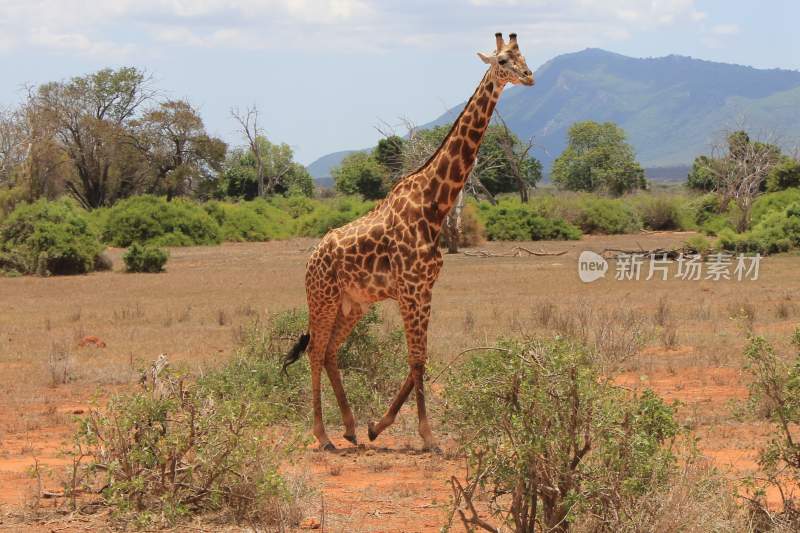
<point x="196" y="311"/>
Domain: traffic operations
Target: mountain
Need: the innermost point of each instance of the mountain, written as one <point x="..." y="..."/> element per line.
<point x="672" y="108"/>
<point x="321" y="168"/>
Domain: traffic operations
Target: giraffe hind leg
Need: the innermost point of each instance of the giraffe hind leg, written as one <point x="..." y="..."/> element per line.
<point x="321" y="322"/>
<point x="342" y="328"/>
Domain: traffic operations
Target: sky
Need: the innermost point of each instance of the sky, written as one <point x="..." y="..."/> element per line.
<point x="327" y="75"/>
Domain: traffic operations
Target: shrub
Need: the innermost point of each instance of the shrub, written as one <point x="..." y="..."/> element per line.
<point x="784" y="175"/>
<point x="662" y="212"/>
<point x="608" y="216"/>
<point x="179" y="448"/>
<point x="153" y="220"/>
<point x="48" y="238"/>
<point x="775" y="386"/>
<point x="775" y="232"/>
<point x="698" y="244"/>
<point x="514" y="221"/>
<point x="237" y="222"/>
<point x="296" y="206"/>
<point x="140" y="258"/>
<point x="550" y="441"/>
<point x="279" y="223"/>
<point x="772" y="203"/>
<point x="332" y="214"/>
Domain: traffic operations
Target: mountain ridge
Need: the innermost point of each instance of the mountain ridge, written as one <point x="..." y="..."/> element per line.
<point x="672" y="107"/>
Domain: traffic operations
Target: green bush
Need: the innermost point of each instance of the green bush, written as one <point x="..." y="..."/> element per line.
<point x="279" y="223"/>
<point x="154" y="220"/>
<point x="237" y="222"/>
<point x="510" y="220"/>
<point x="48" y="238"/>
<point x="607" y="216"/>
<point x="785" y="175"/>
<point x="591" y="213"/>
<point x="332" y="214"/>
<point x="542" y="428"/>
<point x="773" y="202"/>
<point x="296" y="206"/>
<point x="776" y="231"/>
<point x="140" y="258"/>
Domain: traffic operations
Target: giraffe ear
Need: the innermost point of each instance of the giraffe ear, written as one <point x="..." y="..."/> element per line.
<point x="489" y="59"/>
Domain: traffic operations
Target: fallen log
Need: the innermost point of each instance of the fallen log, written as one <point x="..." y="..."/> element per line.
<point x="517" y="251"/>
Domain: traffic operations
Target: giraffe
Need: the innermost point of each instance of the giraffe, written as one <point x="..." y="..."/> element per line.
<point x="392" y="253"/>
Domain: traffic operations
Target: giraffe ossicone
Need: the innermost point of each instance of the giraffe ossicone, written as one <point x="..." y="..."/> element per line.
<point x="392" y="253"/>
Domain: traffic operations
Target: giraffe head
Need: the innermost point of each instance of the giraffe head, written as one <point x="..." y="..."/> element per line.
<point x="508" y="61"/>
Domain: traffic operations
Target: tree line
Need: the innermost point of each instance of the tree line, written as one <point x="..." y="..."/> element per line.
<point x="107" y="136"/>
<point x="598" y="159"/>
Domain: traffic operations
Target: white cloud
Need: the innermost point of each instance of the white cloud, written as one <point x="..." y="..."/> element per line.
<point x="113" y="27"/>
<point x="90" y="26"/>
<point x="725" y="29"/>
<point x="646" y="12"/>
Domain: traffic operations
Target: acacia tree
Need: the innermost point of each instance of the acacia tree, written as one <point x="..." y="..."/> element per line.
<point x="90" y="117"/>
<point x="173" y="140"/>
<point x="389" y="153"/>
<point x="361" y="173"/>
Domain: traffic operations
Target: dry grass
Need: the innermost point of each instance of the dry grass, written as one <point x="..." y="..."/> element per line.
<point x="681" y="338"/>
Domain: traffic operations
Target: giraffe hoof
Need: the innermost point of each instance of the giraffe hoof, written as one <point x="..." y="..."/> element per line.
<point x="329" y="447"/>
<point x="371" y="431"/>
<point x="352" y="439"/>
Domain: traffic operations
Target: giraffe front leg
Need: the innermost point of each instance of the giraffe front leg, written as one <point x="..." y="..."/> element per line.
<point x="424" y="424"/>
<point x="416" y="312"/>
<point x="375" y="429"/>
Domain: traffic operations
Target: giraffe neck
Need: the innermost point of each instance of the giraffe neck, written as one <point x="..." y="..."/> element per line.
<point x="448" y="169"/>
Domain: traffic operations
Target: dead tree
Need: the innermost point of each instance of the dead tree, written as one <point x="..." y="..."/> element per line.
<point x="740" y="166"/>
<point x="516" y="153"/>
<point x="248" y="122"/>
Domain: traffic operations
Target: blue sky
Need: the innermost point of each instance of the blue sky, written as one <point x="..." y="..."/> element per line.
<point x="325" y="73"/>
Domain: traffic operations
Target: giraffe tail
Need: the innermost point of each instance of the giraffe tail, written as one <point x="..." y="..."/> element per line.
<point x="296" y="351"/>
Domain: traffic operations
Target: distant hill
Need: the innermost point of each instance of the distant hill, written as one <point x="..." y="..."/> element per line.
<point x="671" y="107"/>
<point x="321" y="168"/>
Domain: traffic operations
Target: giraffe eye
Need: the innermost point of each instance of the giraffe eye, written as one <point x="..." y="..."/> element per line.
<point x="503" y="61"/>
